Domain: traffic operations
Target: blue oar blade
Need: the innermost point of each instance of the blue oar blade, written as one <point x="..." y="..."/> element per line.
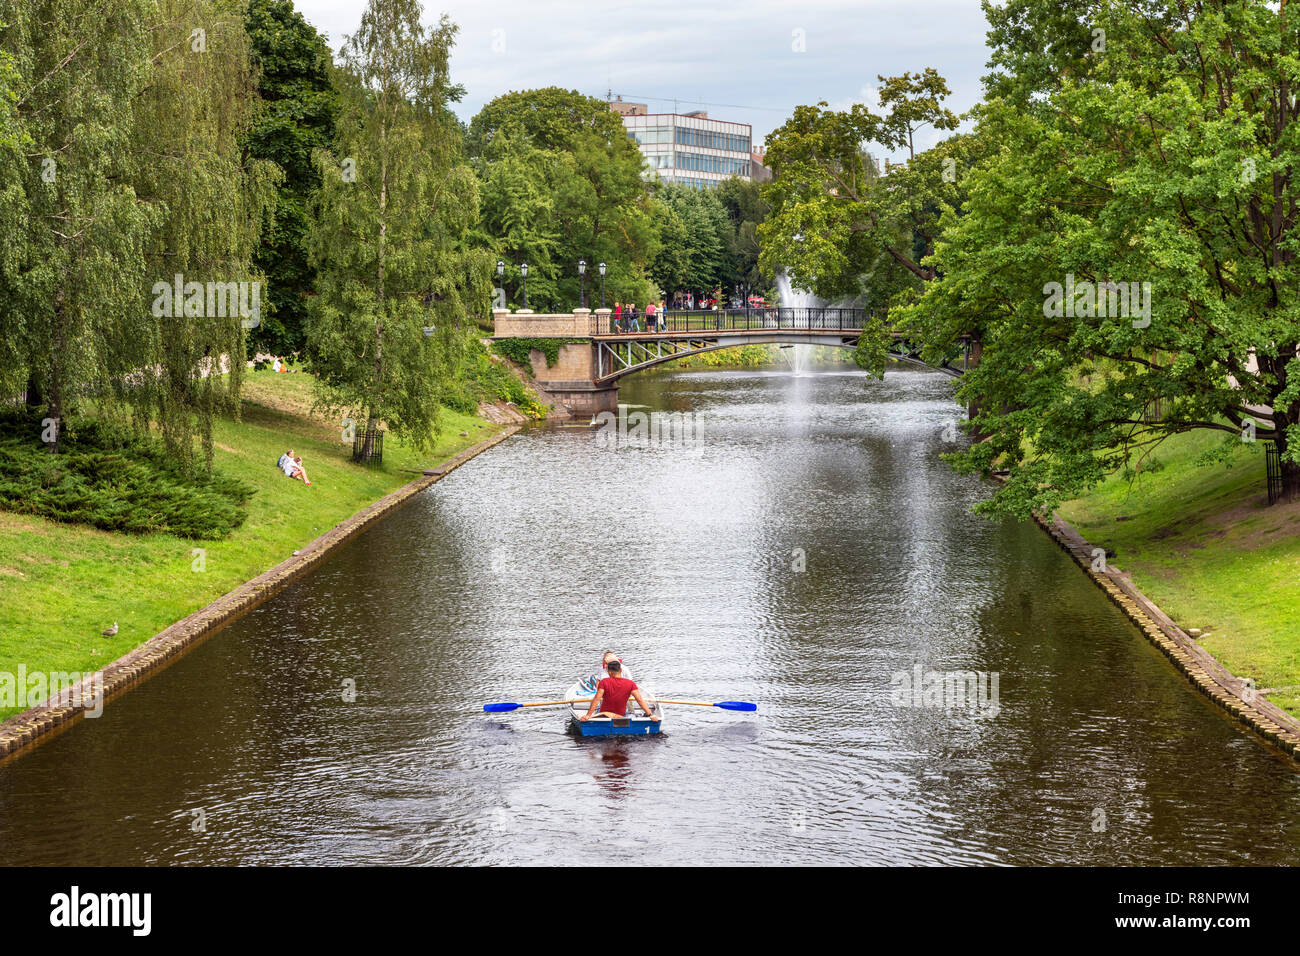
<point x="500" y="708"/>
<point x="736" y="705"/>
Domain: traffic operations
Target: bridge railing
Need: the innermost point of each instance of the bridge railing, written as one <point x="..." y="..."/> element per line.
<point x="811" y="319"/>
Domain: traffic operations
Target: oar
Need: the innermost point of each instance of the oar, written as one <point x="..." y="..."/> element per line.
<point x="506" y="708"/>
<point x="725" y="704"/>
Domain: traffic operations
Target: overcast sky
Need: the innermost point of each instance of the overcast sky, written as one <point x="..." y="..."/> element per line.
<point x="751" y="61"/>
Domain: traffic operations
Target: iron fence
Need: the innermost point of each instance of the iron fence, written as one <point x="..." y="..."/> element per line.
<point x="368" y="446"/>
<point x="1273" y="468"/>
<point x="731" y="320"/>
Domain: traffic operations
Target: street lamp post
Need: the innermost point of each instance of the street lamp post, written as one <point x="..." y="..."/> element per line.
<point x="501" y="281"/>
<point x="601" y="267"/>
<point x="523" y="271"/>
<point x="582" y="288"/>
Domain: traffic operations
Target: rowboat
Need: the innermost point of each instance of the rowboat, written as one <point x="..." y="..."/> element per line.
<point x="638" y="726"/>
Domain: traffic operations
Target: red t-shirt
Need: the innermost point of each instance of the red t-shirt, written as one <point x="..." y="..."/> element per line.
<point x="617" y="691"/>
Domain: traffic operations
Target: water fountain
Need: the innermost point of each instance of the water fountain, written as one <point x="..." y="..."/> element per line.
<point x="790" y="298"/>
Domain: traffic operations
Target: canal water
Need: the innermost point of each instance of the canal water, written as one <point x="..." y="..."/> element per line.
<point x="797" y="542"/>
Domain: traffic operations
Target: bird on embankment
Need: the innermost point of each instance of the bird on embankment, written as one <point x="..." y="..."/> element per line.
<point x="111" y="631"/>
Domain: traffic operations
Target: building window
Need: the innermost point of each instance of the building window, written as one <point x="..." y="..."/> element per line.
<point x="651" y="135"/>
<point x="708" y="139"/>
<point x="718" y="165"/>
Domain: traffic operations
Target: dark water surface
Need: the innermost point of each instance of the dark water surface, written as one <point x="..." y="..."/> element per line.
<point x="509" y="577"/>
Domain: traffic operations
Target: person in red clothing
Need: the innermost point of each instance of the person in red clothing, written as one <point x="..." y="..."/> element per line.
<point x="612" y="694"/>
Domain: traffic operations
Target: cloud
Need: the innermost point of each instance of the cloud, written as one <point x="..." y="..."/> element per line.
<point x="750" y="62"/>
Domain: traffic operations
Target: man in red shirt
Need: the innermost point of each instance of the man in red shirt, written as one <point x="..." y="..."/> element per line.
<point x="612" y="694"/>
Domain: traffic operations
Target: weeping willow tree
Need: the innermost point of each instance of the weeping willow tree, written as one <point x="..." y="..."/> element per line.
<point x="13" y="372"/>
<point x="396" y="276"/>
<point x="72" y="262"/>
<point x="203" y="293"/>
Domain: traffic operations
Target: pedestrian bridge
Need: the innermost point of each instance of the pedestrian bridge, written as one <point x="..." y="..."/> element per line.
<point x="600" y="348"/>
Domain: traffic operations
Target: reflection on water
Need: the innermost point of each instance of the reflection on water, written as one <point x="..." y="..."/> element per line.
<point x="806" y="551"/>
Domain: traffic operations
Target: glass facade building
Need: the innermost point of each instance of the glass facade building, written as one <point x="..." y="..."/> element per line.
<point x="689" y="148"/>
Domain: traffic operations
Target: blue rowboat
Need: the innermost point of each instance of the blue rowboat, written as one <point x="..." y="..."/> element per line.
<point x="638" y="726"/>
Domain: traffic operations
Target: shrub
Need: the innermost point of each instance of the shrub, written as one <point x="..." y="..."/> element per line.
<point x="487" y="381"/>
<point x="109" y="477"/>
<point x="517" y="350"/>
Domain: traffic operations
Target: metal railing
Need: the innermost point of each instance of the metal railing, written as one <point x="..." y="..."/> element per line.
<point x="731" y="320"/>
<point x="1273" y="468"/>
<point x="371" y="452"/>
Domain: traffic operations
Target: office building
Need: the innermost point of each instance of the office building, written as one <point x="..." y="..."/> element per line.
<point x="688" y="148"/>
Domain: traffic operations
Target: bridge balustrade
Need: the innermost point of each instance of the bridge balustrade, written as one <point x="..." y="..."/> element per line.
<point x="733" y="320"/>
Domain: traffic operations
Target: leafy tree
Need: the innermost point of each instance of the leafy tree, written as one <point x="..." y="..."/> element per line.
<point x="293" y="82"/>
<point x="10" y="134"/>
<point x="72" y="269"/>
<point x="837" y="225"/>
<point x="518" y="187"/>
<point x="1167" y="159"/>
<point x="671" y="268"/>
<point x="914" y="102"/>
<point x="746" y="210"/>
<point x="13" y="162"/>
<point x="567" y="154"/>
<point x="210" y="200"/>
<point x="692" y="256"/>
<point x="1034" y="47"/>
<point x="389" y="240"/>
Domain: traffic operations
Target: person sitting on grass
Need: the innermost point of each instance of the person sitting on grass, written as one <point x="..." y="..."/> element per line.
<point x="292" y="467"/>
<point x="612" y="694"/>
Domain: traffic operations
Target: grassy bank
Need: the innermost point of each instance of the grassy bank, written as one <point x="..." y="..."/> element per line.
<point x="1201" y="541"/>
<point x="62" y="584"/>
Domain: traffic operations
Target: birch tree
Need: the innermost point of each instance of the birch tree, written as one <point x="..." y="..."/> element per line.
<point x="396" y="277"/>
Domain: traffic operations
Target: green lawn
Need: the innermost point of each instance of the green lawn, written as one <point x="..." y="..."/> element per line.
<point x="1201" y="541"/>
<point x="61" y="585"/>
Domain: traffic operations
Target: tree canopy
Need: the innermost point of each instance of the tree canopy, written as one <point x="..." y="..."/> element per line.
<point x="128" y="117"/>
<point x="1129" y="248"/>
<point x="561" y="181"/>
<point x="1117" y="233"/>
<point x="746" y="210"/>
<point x="839" y="225"/>
<point x="73" y="270"/>
<point x="297" y="117"/>
<point x="209" y="200"/>
<point x="693" y="254"/>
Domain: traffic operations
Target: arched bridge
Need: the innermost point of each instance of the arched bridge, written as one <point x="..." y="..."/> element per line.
<point x="599" y="348"/>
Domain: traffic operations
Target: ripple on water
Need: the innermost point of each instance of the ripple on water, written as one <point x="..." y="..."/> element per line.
<point x="809" y="551"/>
